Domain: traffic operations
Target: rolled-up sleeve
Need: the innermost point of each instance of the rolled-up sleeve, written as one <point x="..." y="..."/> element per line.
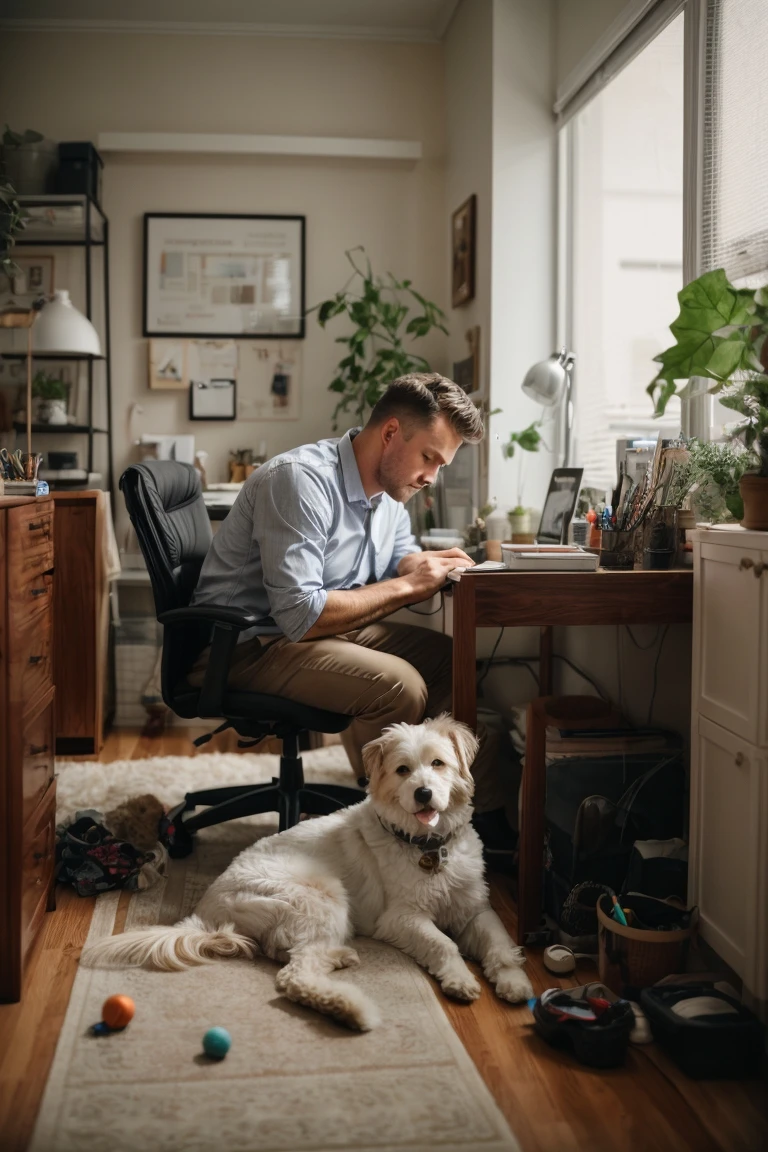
<point x="292" y="518"/>
<point x="405" y="542"/>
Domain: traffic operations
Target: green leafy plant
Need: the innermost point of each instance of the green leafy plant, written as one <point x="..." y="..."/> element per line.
<point x="529" y="440"/>
<point x="721" y="335"/>
<point x="379" y="309"/>
<point x="709" y="480"/>
<point x="12" y="222"/>
<point x="11" y="139"/>
<point x="46" y="387"/>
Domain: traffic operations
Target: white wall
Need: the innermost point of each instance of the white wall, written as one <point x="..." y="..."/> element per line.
<point x="578" y="24"/>
<point x="88" y="83"/>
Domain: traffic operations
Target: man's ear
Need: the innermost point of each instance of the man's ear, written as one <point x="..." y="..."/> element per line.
<point x="389" y="430"/>
<point x="373" y="756"/>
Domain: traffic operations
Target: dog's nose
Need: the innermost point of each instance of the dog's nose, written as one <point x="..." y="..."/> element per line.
<point x="422" y="795"/>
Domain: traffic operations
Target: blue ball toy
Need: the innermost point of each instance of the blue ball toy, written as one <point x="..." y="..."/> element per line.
<point x="216" y="1043"/>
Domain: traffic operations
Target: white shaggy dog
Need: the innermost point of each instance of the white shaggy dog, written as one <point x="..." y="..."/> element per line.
<point x="404" y="865"/>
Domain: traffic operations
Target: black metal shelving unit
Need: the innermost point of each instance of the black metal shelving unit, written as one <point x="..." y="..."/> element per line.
<point x="91" y="236"/>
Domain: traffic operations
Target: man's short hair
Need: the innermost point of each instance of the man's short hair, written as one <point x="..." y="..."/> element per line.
<point x="420" y="397"/>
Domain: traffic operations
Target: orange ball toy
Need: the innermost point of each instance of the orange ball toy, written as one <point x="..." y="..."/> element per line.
<point x="118" y="1011"/>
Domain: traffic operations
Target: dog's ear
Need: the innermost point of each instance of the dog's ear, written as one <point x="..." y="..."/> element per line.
<point x="464" y="741"/>
<point x="373" y="756"/>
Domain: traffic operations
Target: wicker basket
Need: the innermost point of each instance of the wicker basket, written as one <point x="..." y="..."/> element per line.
<point x="638" y="957"/>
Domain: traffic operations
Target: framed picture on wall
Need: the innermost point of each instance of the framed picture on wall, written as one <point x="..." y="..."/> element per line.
<point x="463" y="253"/>
<point x="466" y="373"/>
<point x="219" y="276"/>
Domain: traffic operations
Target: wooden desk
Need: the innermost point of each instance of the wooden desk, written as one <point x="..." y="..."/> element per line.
<point x="545" y="599"/>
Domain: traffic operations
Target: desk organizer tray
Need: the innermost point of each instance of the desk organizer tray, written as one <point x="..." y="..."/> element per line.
<point x="710" y="1034"/>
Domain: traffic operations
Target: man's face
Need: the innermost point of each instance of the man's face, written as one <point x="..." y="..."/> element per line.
<point x="409" y="464"/>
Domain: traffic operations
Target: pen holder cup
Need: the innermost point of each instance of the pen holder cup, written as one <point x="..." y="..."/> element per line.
<point x="660" y="538"/>
<point x="617" y="549"/>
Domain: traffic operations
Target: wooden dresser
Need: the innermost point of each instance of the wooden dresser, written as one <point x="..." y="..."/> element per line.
<point x="27" y="784"/>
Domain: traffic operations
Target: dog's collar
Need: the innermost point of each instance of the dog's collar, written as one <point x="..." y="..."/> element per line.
<point x="433" y="851"/>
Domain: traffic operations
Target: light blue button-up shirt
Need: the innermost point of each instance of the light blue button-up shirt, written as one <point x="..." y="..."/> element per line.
<point x="302" y="526"/>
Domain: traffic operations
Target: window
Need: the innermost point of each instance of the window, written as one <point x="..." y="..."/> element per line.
<point x="622" y="218"/>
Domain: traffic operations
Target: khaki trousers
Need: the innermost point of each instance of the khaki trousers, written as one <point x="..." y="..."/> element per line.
<point x="381" y="674"/>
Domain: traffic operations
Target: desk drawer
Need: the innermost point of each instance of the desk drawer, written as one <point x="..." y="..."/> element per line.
<point x="38" y="862"/>
<point x="28" y="601"/>
<point x="30" y="544"/>
<point x="37" y="758"/>
<point x="30" y="654"/>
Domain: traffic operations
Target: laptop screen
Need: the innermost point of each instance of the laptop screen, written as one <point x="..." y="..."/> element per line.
<point x="559" y="505"/>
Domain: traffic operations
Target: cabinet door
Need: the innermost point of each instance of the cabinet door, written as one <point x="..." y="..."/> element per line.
<point x="730" y="656"/>
<point x="729" y="850"/>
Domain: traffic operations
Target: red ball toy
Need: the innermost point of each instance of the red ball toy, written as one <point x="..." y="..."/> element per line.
<point x="117" y="1012"/>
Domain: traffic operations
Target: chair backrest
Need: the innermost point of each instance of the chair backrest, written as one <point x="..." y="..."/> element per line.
<point x="165" y="503"/>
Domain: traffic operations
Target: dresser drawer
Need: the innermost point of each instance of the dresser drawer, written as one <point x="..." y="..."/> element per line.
<point x="38" y="861"/>
<point x="30" y="544"/>
<point x="30" y="654"/>
<point x="27" y="601"/>
<point x="37" y="758"/>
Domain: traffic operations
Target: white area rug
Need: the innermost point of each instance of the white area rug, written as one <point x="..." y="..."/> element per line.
<point x="293" y="1081"/>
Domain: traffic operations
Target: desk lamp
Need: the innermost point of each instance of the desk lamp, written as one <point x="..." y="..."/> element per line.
<point x="548" y="382"/>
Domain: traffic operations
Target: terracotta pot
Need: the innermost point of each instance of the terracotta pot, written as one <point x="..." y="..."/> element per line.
<point x="754" y="493"/>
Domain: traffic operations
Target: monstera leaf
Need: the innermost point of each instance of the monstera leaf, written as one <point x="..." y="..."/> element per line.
<point x="712" y="334"/>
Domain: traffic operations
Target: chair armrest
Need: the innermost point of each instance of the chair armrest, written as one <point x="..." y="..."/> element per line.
<point x="214" y="613"/>
<point x="227" y="624"/>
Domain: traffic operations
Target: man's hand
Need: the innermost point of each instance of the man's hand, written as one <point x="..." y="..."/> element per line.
<point x="430" y="572"/>
<point x="410" y="562"/>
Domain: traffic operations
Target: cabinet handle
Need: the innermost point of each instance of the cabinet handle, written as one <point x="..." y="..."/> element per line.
<point x="39" y="591"/>
<point x="37" y="749"/>
<point x="40" y="855"/>
<point x="739" y="759"/>
<point x="35" y="659"/>
<point x="746" y="562"/>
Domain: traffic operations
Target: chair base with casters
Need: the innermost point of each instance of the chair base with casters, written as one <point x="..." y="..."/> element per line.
<point x="165" y="504"/>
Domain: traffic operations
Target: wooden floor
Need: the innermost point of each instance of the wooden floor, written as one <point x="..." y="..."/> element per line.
<point x="552" y="1103"/>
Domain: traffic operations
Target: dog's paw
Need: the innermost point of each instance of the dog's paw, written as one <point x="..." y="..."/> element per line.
<point x="512" y="984"/>
<point x="343" y="957"/>
<point x="460" y="984"/>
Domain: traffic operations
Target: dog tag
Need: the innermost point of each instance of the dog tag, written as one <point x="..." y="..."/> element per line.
<point x="429" y="861"/>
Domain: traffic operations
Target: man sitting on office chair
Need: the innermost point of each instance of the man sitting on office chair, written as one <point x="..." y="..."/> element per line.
<point x="318" y="546"/>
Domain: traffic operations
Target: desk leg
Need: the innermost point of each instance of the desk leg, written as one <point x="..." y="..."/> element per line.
<point x="532" y="822"/>
<point x="464" y="653"/>
<point x="545" y="660"/>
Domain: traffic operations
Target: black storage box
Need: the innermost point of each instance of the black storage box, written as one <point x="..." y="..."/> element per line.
<point x="80" y="168"/>
<point x="597" y="807"/>
<point x="727" y="1045"/>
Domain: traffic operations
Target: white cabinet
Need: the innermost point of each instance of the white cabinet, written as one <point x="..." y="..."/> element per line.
<point x="729" y="751"/>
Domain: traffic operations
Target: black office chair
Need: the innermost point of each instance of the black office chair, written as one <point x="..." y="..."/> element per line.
<point x="166" y="507"/>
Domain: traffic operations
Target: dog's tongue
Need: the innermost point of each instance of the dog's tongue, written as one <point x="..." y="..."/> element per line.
<point x="427" y="816"/>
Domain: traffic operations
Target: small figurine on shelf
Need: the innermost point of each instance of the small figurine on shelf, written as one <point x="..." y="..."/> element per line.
<point x="201" y="459"/>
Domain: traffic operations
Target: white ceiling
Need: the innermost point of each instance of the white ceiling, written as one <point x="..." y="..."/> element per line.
<point x="416" y="20"/>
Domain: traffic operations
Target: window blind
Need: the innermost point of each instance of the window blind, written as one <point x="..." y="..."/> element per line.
<point x="735" y="165"/>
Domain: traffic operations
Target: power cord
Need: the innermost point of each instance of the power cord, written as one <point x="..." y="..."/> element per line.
<point x="526" y="661"/>
<point x="655" y="672"/>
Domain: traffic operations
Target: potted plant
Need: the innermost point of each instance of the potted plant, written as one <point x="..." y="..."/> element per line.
<point x="378" y="309"/>
<point x="29" y="161"/>
<point x="721" y="335"/>
<point x="708" y="481"/>
<point x="529" y="440"/>
<point x="12" y="222"/>
<point x="52" y="393"/>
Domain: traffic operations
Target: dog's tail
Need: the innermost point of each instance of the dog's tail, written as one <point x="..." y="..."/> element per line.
<point x="169" y="947"/>
<point x="304" y="979"/>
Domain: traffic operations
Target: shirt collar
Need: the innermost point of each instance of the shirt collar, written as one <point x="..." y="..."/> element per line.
<point x="351" y="473"/>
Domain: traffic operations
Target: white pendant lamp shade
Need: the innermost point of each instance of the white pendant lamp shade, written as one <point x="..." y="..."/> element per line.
<point x="61" y="329"/>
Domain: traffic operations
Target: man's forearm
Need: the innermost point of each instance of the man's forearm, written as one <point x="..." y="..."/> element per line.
<point x="345" y="611"/>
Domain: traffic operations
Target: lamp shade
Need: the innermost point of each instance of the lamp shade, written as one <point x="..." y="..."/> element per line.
<point x="546" y="381"/>
<point x="61" y="329"/>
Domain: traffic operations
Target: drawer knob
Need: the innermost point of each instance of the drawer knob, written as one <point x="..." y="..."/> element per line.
<point x="39" y="591"/>
<point x="37" y="749"/>
<point x="746" y="562"/>
<point x="739" y="759"/>
<point x="35" y="659"/>
<point x="40" y="855"/>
